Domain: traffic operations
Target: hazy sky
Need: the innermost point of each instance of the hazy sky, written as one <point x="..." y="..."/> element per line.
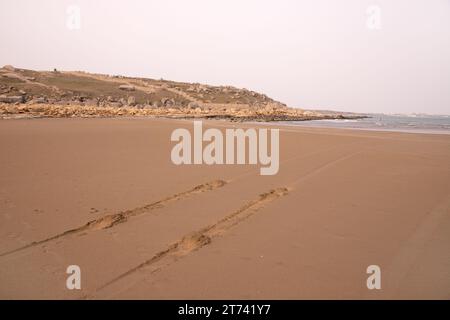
<point x="310" y="54"/>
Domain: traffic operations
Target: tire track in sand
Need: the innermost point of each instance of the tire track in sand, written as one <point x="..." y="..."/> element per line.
<point x="200" y="238"/>
<point x="111" y="220"/>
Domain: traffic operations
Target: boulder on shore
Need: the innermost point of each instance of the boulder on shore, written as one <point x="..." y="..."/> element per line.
<point x="12" y="99"/>
<point x="38" y="100"/>
<point x="126" y="87"/>
<point x="193" y="105"/>
<point x="166" y="102"/>
<point x="9" y="68"/>
<point x="131" y="101"/>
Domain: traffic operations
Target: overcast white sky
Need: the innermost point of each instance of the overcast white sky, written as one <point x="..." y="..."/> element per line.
<point x="310" y="54"/>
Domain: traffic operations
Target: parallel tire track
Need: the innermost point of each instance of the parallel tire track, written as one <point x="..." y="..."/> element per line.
<point x="111" y="220"/>
<point x="198" y="239"/>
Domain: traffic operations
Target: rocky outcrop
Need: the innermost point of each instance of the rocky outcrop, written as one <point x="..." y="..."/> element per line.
<point x="81" y="94"/>
<point x="116" y="109"/>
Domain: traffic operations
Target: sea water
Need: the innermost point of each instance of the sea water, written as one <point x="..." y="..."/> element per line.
<point x="382" y="122"/>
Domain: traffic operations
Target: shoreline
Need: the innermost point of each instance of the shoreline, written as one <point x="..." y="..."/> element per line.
<point x="281" y="123"/>
<point x="412" y="131"/>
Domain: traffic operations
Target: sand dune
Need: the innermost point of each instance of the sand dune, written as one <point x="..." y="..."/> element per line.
<point x="104" y="195"/>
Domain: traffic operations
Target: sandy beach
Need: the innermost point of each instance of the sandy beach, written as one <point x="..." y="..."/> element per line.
<point x="103" y="194"/>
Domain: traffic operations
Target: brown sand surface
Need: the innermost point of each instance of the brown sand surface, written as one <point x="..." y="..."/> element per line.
<point x="341" y="201"/>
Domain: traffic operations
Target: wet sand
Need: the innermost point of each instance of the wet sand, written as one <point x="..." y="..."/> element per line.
<point x="103" y="194"/>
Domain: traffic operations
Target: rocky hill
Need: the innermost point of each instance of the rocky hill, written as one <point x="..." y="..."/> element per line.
<point x="68" y="94"/>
